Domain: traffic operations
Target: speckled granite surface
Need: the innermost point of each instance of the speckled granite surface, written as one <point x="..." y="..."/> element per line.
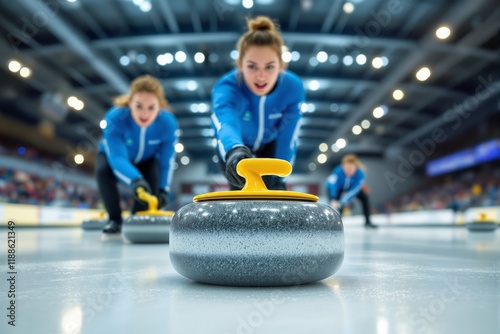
<point x="256" y="243"/>
<point x="146" y="229"/>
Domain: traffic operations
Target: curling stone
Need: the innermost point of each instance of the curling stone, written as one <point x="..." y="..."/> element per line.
<point x="150" y="226"/>
<point x="257" y="237"/>
<point x="95" y="223"/>
<point x="482" y="224"/>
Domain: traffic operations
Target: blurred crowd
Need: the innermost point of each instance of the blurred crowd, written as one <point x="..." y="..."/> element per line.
<point x="19" y="187"/>
<point x="458" y="192"/>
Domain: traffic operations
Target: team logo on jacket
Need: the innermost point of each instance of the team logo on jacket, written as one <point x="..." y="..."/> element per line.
<point x="275" y="116"/>
<point x="247" y="116"/>
<point x="129" y="142"/>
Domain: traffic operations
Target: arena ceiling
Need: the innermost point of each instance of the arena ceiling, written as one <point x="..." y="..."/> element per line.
<point x="352" y="56"/>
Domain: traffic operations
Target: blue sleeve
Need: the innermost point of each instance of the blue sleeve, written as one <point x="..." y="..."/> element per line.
<point x="226" y="117"/>
<point x="167" y="151"/>
<point x="116" y="151"/>
<point x="332" y="185"/>
<point x="357" y="182"/>
<point x="286" y="143"/>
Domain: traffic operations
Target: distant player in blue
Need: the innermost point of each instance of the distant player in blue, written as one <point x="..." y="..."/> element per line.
<point x="346" y="182"/>
<point x="137" y="148"/>
<point x="256" y="107"/>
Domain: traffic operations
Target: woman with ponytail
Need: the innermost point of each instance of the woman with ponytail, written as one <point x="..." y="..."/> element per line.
<point x="256" y="106"/>
<point x="137" y="148"/>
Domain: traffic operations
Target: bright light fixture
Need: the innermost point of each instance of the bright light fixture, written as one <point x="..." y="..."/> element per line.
<point x="348" y="8"/>
<point x="295" y="55"/>
<point x="247" y="3"/>
<point x="347" y="60"/>
<point x="313" y="85"/>
<point x="377" y="62"/>
<point x="14" y="66"/>
<point x="322" y="158"/>
<point x="361" y="59"/>
<point x="79" y="159"/>
<point x="180" y="56"/>
<point x="357" y="129"/>
<point x="25" y="72"/>
<point x="443" y="32"/>
<point x="322" y="56"/>
<point x="191" y="85"/>
<point x="234" y="54"/>
<point x="341" y="143"/>
<point x="179" y="147"/>
<point x="398" y="94"/>
<point x="286" y="56"/>
<point x="423" y="74"/>
<point x="199" y="57"/>
<point x="378" y="112"/>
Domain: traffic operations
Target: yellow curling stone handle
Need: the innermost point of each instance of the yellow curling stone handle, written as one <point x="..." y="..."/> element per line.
<point x="252" y="170"/>
<point x="152" y="201"/>
<point x="483" y="218"/>
<point x="100" y="215"/>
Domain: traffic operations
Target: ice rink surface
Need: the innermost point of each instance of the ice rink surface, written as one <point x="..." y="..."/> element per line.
<point x="393" y="280"/>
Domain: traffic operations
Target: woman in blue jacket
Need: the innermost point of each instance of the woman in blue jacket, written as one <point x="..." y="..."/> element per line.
<point x="137" y="148"/>
<point x="256" y="107"/>
<point x="345" y="183"/>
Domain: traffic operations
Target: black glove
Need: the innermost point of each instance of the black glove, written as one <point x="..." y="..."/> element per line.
<point x="162" y="198"/>
<point x="274" y="183"/>
<point x="233" y="157"/>
<point x="140" y="183"/>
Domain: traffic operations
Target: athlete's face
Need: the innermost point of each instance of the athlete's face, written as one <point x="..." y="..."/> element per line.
<point x="144" y="107"/>
<point x="349" y="168"/>
<point x="261" y="67"/>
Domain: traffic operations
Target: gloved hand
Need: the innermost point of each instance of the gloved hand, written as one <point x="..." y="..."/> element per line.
<point x="274" y="183"/>
<point x="162" y="199"/>
<point x="280" y="185"/>
<point x="233" y="157"/>
<point x="138" y="183"/>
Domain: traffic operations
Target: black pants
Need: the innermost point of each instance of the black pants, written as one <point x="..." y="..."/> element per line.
<point x="108" y="185"/>
<point x="266" y="151"/>
<point x="365" y="202"/>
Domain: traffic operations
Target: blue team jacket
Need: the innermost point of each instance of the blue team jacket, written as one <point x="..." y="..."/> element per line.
<point x="243" y="118"/>
<point x="126" y="144"/>
<point x="338" y="182"/>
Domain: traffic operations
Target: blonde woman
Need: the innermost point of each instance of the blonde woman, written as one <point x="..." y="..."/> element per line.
<point x="345" y="183"/>
<point x="137" y="148"/>
<point x="256" y="107"/>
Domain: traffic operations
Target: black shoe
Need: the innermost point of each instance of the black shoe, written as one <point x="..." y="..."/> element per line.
<point x="112" y="227"/>
<point x="370" y="225"/>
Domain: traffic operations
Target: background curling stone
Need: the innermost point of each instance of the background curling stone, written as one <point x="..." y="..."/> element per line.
<point x="95" y="223"/>
<point x="483" y="224"/>
<point x="150" y="226"/>
<point x="257" y="237"/>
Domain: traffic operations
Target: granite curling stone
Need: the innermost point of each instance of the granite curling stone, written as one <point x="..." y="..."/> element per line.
<point x="257" y="237"/>
<point x="95" y="223"/>
<point x="482" y="224"/>
<point x="150" y="226"/>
